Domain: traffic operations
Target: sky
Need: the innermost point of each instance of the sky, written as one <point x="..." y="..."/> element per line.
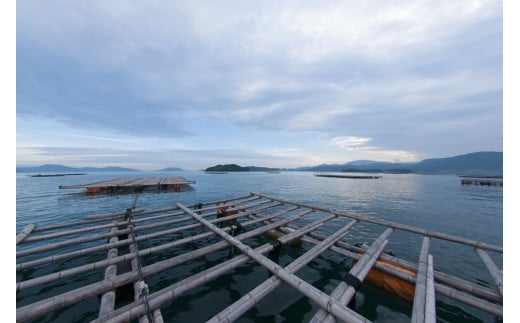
<point x="192" y="84"/>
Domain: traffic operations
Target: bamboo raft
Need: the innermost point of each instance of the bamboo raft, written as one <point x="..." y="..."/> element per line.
<point x="482" y="180"/>
<point x="349" y="176"/>
<point x="132" y="184"/>
<point x="103" y="243"/>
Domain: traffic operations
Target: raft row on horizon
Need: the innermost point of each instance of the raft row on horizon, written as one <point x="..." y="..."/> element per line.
<point x="348" y="176"/>
<point x="199" y="232"/>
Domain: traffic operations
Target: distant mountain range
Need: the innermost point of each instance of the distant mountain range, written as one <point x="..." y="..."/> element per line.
<point x="489" y="163"/>
<point x="473" y="163"/>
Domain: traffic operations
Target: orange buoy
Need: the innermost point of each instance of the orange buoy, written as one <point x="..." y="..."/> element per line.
<point x="222" y="211"/>
<point x="275" y="234"/>
<point x="92" y="190"/>
<point x="390" y="283"/>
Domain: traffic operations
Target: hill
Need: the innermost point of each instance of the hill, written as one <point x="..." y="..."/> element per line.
<point x="472" y="163"/>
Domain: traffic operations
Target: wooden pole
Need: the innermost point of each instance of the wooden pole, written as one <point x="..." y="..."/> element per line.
<point x="234" y="311"/>
<point x="461" y="285"/>
<point x="103" y="263"/>
<point x="94" y="237"/>
<point x="168" y="294"/>
<point x="492" y="268"/>
<point x="433" y="234"/>
<point x="420" y="284"/>
<point x="108" y="299"/>
<point x="344" y="292"/>
<point x="60" y="301"/>
<point x="430" y="312"/>
<point x="338" y="309"/>
<point x="25" y="232"/>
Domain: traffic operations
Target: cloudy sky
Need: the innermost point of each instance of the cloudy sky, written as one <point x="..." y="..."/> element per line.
<point x="152" y="84"/>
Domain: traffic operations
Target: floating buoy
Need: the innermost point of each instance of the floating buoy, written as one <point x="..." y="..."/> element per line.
<point x="92" y="190"/>
<point x="390" y="283"/>
<point x="275" y="234"/>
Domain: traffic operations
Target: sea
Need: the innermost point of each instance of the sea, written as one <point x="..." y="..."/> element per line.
<point x="433" y="202"/>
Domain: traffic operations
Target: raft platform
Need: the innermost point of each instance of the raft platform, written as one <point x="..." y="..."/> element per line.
<point x="482" y="180"/>
<point x="79" y="264"/>
<point x="55" y="175"/>
<point x="348" y="176"/>
<point x="132" y="184"/>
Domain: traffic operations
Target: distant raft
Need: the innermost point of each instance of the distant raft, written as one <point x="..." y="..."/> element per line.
<point x="117" y="185"/>
<point x="349" y="176"/>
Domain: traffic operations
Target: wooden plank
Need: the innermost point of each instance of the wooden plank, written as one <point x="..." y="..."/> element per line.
<point x="25" y="232"/>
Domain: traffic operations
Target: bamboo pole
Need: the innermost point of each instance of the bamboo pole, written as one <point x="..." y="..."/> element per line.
<point x="85" y="251"/>
<point x="453" y="281"/>
<point x="168" y="294"/>
<point x="310" y="291"/>
<point x="82" y="240"/>
<point x="492" y="268"/>
<point x="450" y="292"/>
<point x="106" y="217"/>
<point x="477" y="295"/>
<point x="140" y="288"/>
<point x="111" y="216"/>
<point x="66" y="233"/>
<point x="344" y="292"/>
<point x="234" y="311"/>
<point x="60" y="301"/>
<point x="433" y="234"/>
<point x="469" y="287"/>
<point x="430" y="313"/>
<point x="420" y="285"/>
<point x="108" y="299"/>
<point x="25" y="232"/>
<point x="128" y="257"/>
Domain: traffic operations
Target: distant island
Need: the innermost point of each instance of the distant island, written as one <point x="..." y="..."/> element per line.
<point x="237" y="168"/>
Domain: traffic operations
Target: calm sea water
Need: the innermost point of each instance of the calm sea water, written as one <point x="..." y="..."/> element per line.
<point x="437" y="202"/>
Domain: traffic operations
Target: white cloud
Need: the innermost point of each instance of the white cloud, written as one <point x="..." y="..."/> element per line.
<point x="349" y="143"/>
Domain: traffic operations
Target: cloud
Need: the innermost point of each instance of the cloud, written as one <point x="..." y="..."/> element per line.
<point x="349" y="143"/>
<point x="361" y="69"/>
